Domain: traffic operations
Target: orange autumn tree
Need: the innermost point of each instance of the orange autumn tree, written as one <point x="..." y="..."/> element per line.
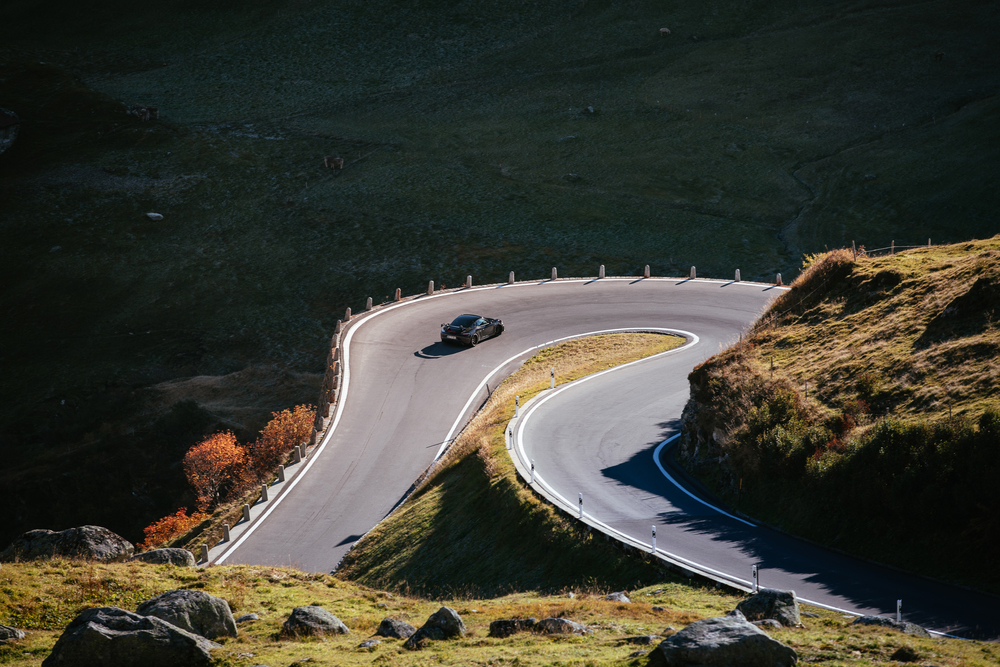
<point x="286" y="429"/>
<point x="169" y="527"/>
<point x="216" y="464"/>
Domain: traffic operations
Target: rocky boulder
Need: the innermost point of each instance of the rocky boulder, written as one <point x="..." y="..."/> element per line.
<point x="902" y="626"/>
<point x="560" y="626"/>
<point x="445" y="623"/>
<point x="391" y="627"/>
<point x="112" y="636"/>
<point x="179" y="557"/>
<point x="90" y="542"/>
<point x="506" y="627"/>
<point x="782" y="606"/>
<point x="194" y="611"/>
<point x="312" y="620"/>
<point x="723" y="641"/>
<point x="617" y="597"/>
<point x="9" y="634"/>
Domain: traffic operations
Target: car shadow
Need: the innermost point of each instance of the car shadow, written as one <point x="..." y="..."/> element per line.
<point x="438" y="350"/>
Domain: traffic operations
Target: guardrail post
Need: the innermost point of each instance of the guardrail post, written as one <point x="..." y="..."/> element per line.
<point x="368" y="304"/>
<point x="756" y="581"/>
<point x="399" y="294"/>
<point x="854" y="251"/>
<point x="263" y="492"/>
<point x="600" y="271"/>
<point x="552" y="378"/>
<point x="928" y="243"/>
<point x="430" y="287"/>
<point x="347" y="314"/>
<point x="204" y="553"/>
<point x="225" y="532"/>
<point x="510" y="278"/>
<point x="654" y="541"/>
<point x="338" y="326"/>
<point x="892" y="248"/>
<point x="693" y="274"/>
<point x="281" y="473"/>
<point x="517" y="407"/>
<point x="304" y="453"/>
<point x="246" y="512"/>
<point x="555" y="274"/>
<point x="777" y="280"/>
<point x="737" y="279"/>
<point x="581" y="505"/>
<point x="296" y="455"/>
<point x="468" y="281"/>
<point x="532" y="471"/>
<point x="899" y="611"/>
<point x="645" y="272"/>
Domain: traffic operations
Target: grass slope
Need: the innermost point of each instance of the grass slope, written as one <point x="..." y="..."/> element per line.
<point x="878" y="429"/>
<point x="42" y="597"/>
<point x="779" y="126"/>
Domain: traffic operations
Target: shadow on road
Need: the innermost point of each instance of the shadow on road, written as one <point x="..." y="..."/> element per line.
<point x="437" y="350"/>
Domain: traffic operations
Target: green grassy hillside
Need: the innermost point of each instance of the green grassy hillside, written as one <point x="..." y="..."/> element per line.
<point x="863" y="410"/>
<point x="779" y="127"/>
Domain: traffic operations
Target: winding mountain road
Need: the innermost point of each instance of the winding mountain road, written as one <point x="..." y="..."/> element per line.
<point x="406" y="395"/>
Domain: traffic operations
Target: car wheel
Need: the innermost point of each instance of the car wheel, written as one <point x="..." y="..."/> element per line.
<point x="499" y="330"/>
<point x="474" y="340"/>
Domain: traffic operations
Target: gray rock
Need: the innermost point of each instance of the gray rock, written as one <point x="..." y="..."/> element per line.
<point x="391" y="627"/>
<point x="659" y="609"/>
<point x="246" y="618"/>
<point x="154" y="216"/>
<point x="902" y="626"/>
<point x="9" y="634"/>
<point x="312" y="620"/>
<point x="369" y="644"/>
<point x="194" y="611"/>
<point x="179" y="557"/>
<point x="560" y="626"/>
<point x="506" y="627"/>
<point x="808" y="614"/>
<point x="618" y="597"/>
<point x="445" y="623"/>
<point x="905" y="654"/>
<point x="723" y="641"/>
<point x="113" y="636"/>
<point x="772" y="603"/>
<point x="767" y="623"/>
<point x="637" y="654"/>
<point x="90" y="542"/>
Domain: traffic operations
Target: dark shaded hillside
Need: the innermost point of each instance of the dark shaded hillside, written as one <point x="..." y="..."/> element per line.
<point x="478" y="138"/>
<point x="862" y="411"/>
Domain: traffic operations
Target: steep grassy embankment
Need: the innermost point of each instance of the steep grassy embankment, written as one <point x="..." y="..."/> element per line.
<point x="878" y="430"/>
<point x="473" y="528"/>
<point x="779" y="126"/>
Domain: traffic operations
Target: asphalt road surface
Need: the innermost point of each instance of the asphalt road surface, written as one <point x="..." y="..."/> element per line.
<point x="406" y="390"/>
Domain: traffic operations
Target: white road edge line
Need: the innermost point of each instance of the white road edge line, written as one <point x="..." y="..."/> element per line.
<point x="656" y="459"/>
<point x="366" y="317"/>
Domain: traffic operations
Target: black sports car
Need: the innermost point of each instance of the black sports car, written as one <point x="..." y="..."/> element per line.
<point x="470" y="329"/>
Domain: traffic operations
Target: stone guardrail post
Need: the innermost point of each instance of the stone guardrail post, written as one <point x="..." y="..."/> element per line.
<point x="693" y="274"/>
<point x="246" y="512"/>
<point x="430" y="287"/>
<point x="510" y="278"/>
<point x="399" y="294"/>
<point x="777" y="280"/>
<point x="468" y="281"/>
<point x="368" y="304"/>
<point x="347" y="314"/>
<point x="225" y="532"/>
<point x="281" y="473"/>
<point x="645" y="272"/>
<point x="737" y="279"/>
<point x="600" y="271"/>
<point x="263" y="492"/>
<point x="204" y="553"/>
<point x="555" y="274"/>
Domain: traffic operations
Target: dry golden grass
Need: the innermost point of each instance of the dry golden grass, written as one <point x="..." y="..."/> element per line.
<point x="43" y="596"/>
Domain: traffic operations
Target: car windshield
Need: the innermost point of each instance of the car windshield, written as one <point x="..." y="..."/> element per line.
<point x="464" y="320"/>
